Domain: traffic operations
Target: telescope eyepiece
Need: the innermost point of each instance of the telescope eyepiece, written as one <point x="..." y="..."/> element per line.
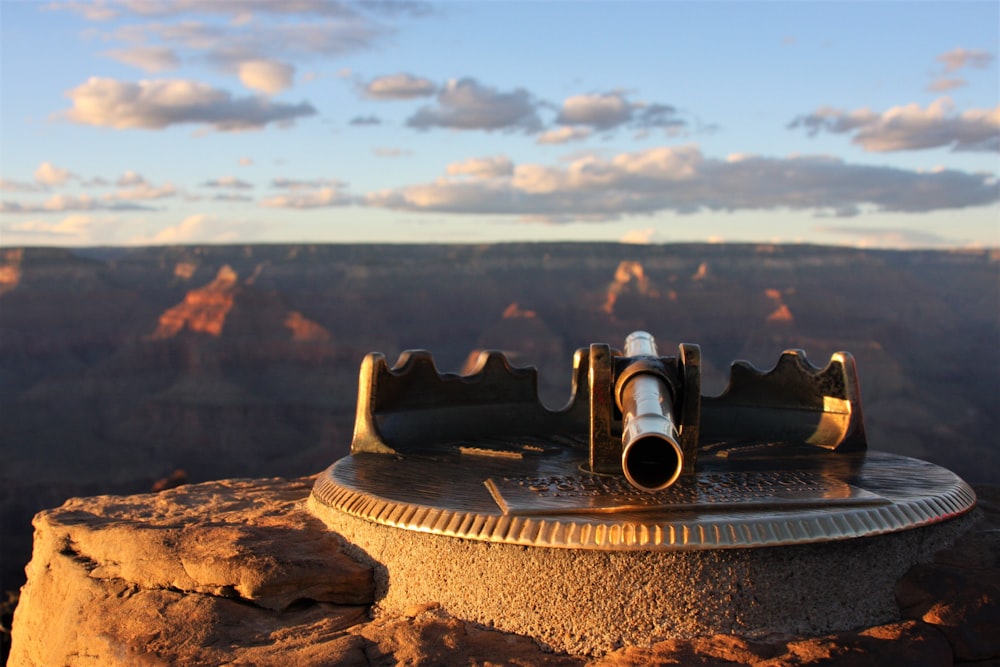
<point x="652" y="462"/>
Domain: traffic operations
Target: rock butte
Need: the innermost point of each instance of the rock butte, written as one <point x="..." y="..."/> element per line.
<point x="239" y="572"/>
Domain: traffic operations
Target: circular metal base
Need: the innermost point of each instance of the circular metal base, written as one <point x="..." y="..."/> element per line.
<point x="547" y="501"/>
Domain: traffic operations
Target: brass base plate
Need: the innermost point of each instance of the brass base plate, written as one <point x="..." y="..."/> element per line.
<point x="547" y="500"/>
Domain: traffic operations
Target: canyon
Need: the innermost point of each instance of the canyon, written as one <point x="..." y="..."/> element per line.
<point x="125" y="369"/>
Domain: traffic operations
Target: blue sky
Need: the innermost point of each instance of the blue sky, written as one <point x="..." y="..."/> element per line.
<point x="244" y="121"/>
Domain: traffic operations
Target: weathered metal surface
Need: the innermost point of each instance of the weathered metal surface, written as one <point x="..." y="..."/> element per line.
<point x="757" y="503"/>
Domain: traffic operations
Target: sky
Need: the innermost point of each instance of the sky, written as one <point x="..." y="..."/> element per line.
<point x="162" y="122"/>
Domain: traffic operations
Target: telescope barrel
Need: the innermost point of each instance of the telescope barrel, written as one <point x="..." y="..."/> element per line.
<point x="652" y="458"/>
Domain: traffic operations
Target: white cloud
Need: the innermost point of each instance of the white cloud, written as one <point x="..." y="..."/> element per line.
<point x="7" y="185"/>
<point x="639" y="236"/>
<point x="392" y="152"/>
<point x="72" y="225"/>
<point x="564" y="135"/>
<point x="131" y="178"/>
<point x="682" y="180"/>
<point x="142" y="191"/>
<point x="161" y="103"/>
<point x="246" y="162"/>
<point x="485" y="167"/>
<point x="911" y="127"/>
<point x="402" y="86"/>
<point x="306" y="184"/>
<point x="147" y="58"/>
<point x="465" y="104"/>
<point x="49" y="174"/>
<point x="606" y="111"/>
<point x="322" y="198"/>
<point x="892" y="237"/>
<point x="191" y="228"/>
<point x="228" y="182"/>
<point x="957" y="59"/>
<point x="267" y="76"/>
<point x="943" y="84"/>
<point x="62" y="202"/>
<point x="599" y="111"/>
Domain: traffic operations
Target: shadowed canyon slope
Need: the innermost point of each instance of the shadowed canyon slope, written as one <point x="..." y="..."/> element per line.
<point x="120" y="366"/>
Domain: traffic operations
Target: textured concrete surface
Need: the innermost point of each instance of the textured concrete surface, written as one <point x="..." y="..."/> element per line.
<point x="592" y="602"/>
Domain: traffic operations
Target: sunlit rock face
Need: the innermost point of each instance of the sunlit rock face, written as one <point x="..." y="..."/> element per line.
<point x="204" y="310"/>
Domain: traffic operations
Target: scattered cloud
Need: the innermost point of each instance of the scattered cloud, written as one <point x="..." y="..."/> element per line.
<point x="245" y="162"/>
<point x="895" y="237"/>
<point x="640" y="236"/>
<point x="130" y="179"/>
<point x="231" y="197"/>
<point x="606" y="111"/>
<point x="910" y="127"/>
<point x="400" y="86"/>
<point x="49" y="174"/>
<point x="465" y="104"/>
<point x="306" y="184"/>
<point x="485" y="167"/>
<point x="142" y="191"/>
<point x="159" y="104"/>
<point x="61" y="202"/>
<point x="266" y="76"/>
<point x="944" y="84"/>
<point x="190" y="229"/>
<point x="682" y="180"/>
<point x="147" y="58"/>
<point x="392" y="152"/>
<point x="230" y="182"/>
<point x="365" y="120"/>
<point x="563" y="135"/>
<point x="7" y="185"/>
<point x="73" y="225"/>
<point x="957" y="59"/>
<point x="321" y="198"/>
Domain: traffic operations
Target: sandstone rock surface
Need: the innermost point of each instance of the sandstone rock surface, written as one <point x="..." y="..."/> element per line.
<point x="237" y="572"/>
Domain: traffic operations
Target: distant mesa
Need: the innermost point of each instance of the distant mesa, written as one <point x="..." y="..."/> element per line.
<point x="304" y="329"/>
<point x="781" y="312"/>
<point x="701" y="273"/>
<point x="514" y="311"/>
<point x="629" y="276"/>
<point x="203" y="310"/>
<point x="185" y="270"/>
<point x="10" y="269"/>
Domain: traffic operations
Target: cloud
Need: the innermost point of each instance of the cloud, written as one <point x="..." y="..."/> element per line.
<point x="910" y="127"/>
<point x="7" y="185"/>
<point x="400" y="86"/>
<point x="365" y="120"/>
<point x="267" y="76"/>
<point x="228" y="182"/>
<point x="245" y="161"/>
<point x="563" y="135"/>
<point x="189" y="229"/>
<point x="606" y="111"/>
<point x="49" y="174"/>
<point x="306" y="184"/>
<point x="485" y="167"/>
<point x="639" y="236"/>
<point x="683" y="180"/>
<point x="322" y="198"/>
<point x="230" y="197"/>
<point x="944" y="84"/>
<point x="59" y="203"/>
<point x="142" y="191"/>
<point x="72" y="225"/>
<point x="158" y="104"/>
<point x="392" y="152"/>
<point x="895" y="237"/>
<point x="465" y="104"/>
<point x="957" y="59"/>
<point x="131" y="178"/>
<point x="147" y="58"/>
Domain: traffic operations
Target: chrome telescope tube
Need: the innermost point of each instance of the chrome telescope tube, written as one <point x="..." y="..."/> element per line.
<point x="652" y="458"/>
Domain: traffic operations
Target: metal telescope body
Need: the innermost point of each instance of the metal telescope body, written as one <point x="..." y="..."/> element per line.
<point x="652" y="457"/>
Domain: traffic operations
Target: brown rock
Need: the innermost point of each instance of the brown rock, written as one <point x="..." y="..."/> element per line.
<point x="202" y="574"/>
<point x="908" y="643"/>
<point x="960" y="591"/>
<point x="431" y="637"/>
